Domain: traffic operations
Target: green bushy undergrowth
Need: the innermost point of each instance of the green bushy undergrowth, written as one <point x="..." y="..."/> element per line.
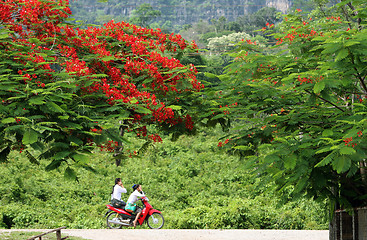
<point x="190" y="181"/>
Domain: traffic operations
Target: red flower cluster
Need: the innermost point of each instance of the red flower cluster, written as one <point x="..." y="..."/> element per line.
<point x="360" y="98"/>
<point x="221" y="144"/>
<point x="228" y="106"/>
<point x="34" y="17"/>
<point x="155" y="138"/>
<point x="142" y="131"/>
<point x="304" y="32"/>
<point x="188" y="122"/>
<point x="268" y="25"/>
<point x="137" y="69"/>
<point x="335" y="19"/>
<point x="348" y="140"/>
<point x="309" y="79"/>
<point x="96" y="130"/>
<point x="305" y="80"/>
<point x="110" y="146"/>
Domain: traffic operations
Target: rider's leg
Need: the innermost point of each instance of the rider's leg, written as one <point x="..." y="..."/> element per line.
<point x="138" y="212"/>
<point x="136" y="218"/>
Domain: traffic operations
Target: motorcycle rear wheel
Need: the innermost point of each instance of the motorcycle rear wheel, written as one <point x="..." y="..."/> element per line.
<point x="113" y="216"/>
<point x="155" y="221"/>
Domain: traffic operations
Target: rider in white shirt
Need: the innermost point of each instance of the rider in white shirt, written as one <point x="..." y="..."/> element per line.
<point x="134" y="196"/>
<point x="117" y="190"/>
<point x="131" y="206"/>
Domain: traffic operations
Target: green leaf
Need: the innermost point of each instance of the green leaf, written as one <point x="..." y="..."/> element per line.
<point x="70" y="174"/>
<point x="3" y="36"/>
<point x="4" y="154"/>
<point x="54" y="107"/>
<point x="218" y="116"/>
<point x="30" y="136"/>
<point x="108" y="58"/>
<point x="327" y="133"/>
<point x="85" y="117"/>
<point x="64" y="117"/>
<point x="306" y="145"/>
<point x="31" y="158"/>
<point x="74" y="141"/>
<point x="351" y="43"/>
<point x="244" y="148"/>
<point x="53" y="165"/>
<point x="98" y="76"/>
<point x="210" y="75"/>
<point x="38" y="146"/>
<point x="341" y="164"/>
<point x="80" y="157"/>
<point x="142" y="110"/>
<point x="61" y="155"/>
<point x="8" y="120"/>
<point x="290" y="161"/>
<point x="322" y="150"/>
<point x="300" y="184"/>
<point x="326" y="160"/>
<point x="175" y="107"/>
<point x="319" y="86"/>
<point x="331" y="48"/>
<point x="342" y="54"/>
<point x="36" y="101"/>
<point x="347" y="151"/>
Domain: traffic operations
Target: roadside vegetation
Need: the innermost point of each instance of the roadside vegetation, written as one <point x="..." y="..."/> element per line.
<point x="191" y="181"/>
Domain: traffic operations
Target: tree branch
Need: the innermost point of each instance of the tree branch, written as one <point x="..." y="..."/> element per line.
<point x="361" y="80"/>
<point x="326" y="101"/>
<point x="358" y="75"/>
<point x="355" y="13"/>
<point x="347" y="17"/>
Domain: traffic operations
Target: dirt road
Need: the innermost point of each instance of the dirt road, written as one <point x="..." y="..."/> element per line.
<point x="173" y="234"/>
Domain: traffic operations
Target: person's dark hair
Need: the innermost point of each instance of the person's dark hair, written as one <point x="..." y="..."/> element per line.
<point x="117" y="180"/>
<point x="136" y="186"/>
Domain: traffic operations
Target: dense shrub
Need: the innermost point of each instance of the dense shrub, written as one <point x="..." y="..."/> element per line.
<point x="190" y="181"/>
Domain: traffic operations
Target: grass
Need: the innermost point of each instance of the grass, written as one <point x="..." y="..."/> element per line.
<point x="19" y="235"/>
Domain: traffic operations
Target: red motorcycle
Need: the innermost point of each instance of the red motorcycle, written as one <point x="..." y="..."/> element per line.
<point x="118" y="217"/>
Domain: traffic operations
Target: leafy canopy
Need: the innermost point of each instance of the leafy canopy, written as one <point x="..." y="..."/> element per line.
<point x="65" y="90"/>
<point x="302" y="103"/>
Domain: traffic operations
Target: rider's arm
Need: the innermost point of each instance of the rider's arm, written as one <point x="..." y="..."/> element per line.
<point x="138" y="194"/>
<point x="122" y="189"/>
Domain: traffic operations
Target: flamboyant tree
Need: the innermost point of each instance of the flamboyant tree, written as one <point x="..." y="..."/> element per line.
<point x="302" y="105"/>
<point x="66" y="90"/>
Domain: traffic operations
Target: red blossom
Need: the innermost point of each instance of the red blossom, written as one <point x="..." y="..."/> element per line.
<point x="144" y="54"/>
<point x="348" y="140"/>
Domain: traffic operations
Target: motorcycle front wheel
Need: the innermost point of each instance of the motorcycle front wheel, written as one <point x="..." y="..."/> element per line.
<point x="155" y="221"/>
<point x="111" y="217"/>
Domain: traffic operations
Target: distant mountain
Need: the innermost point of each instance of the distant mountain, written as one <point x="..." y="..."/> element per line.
<point x="176" y="12"/>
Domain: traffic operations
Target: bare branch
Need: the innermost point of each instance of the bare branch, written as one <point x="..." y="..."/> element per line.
<point x="327" y="101"/>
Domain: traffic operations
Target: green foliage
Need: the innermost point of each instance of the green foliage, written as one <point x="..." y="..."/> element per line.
<point x="193" y="183"/>
<point x="63" y="94"/>
<point x="301" y="104"/>
<point x="254" y="21"/>
<point x="144" y="15"/>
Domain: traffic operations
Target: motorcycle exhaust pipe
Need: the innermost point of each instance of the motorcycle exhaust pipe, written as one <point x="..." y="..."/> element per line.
<point x="118" y="222"/>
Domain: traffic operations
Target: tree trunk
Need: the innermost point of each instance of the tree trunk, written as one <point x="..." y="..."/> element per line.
<point x="120" y="147"/>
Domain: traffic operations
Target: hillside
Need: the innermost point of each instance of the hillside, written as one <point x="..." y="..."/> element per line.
<point x="174" y="12"/>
